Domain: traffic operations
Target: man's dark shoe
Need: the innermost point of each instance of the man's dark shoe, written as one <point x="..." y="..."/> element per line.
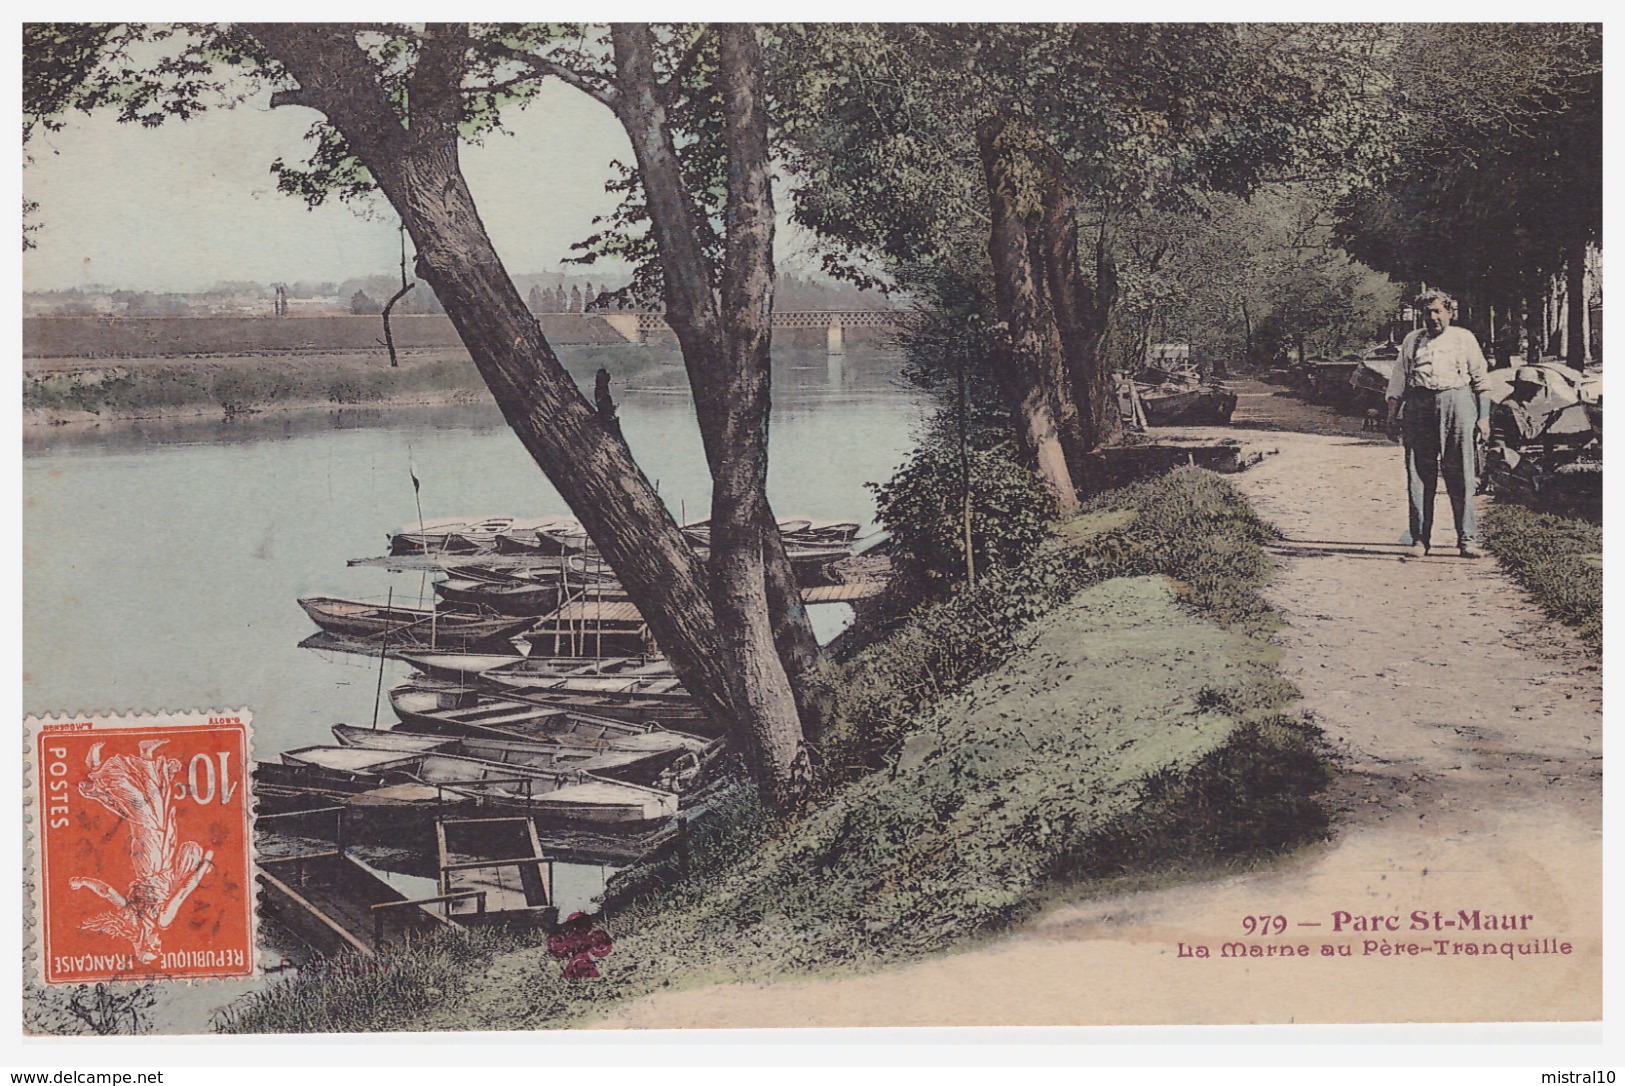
<point x="1470" y="550"/>
<point x="1417" y="550"/>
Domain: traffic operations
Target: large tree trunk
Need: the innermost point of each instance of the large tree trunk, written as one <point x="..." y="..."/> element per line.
<point x="1032" y="345"/>
<point x="1079" y="318"/>
<point x="1069" y="415"/>
<point x="739" y="492"/>
<point x="693" y="314"/>
<point x="417" y="170"/>
<point x="1575" y="350"/>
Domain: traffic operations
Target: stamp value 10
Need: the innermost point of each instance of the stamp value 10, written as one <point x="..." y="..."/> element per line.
<point x="142" y="847"/>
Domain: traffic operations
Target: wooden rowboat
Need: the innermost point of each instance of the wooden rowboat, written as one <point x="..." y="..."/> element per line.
<point x="446" y="710"/>
<point x="1187" y="405"/>
<point x="347" y="807"/>
<point x="672" y="767"/>
<point x="456" y="667"/>
<point x="554" y="796"/>
<point x="670" y="710"/>
<point x="332" y="903"/>
<point x="409" y="625"/>
<point x="518" y="599"/>
<point x="466" y="668"/>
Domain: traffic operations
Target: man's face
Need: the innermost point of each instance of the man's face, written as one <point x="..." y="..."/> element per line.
<point x="1438" y="315"/>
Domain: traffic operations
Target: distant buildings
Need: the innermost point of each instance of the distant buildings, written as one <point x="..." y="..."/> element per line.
<point x="129" y="303"/>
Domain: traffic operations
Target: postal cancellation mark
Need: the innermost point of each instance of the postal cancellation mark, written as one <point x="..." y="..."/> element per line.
<point x="142" y="847"/>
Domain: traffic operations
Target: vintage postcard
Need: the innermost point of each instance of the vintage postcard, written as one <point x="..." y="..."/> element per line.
<point x="810" y="525"/>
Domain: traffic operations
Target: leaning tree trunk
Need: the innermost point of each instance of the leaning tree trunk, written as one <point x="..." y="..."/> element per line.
<point x="417" y="170"/>
<point x="692" y="312"/>
<point x="1575" y="352"/>
<point x="1032" y="348"/>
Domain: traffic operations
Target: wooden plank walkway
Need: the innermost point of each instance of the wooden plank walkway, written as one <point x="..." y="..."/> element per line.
<point x="592" y="612"/>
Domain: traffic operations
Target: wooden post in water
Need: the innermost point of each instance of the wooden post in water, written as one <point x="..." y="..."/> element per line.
<point x="598" y="646"/>
<point x="417" y="499"/>
<point x="564" y="600"/>
<point x="383" y="645"/>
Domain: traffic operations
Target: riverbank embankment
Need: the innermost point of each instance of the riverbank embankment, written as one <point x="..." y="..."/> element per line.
<point x="1107" y="711"/>
<point x="84" y="371"/>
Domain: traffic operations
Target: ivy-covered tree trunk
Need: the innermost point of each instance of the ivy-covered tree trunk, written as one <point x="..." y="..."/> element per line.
<point x="1080" y="317"/>
<point x="1031" y="367"/>
<point x="417" y="169"/>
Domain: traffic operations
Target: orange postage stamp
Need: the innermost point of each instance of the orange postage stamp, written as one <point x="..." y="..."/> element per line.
<point x="142" y="847"/>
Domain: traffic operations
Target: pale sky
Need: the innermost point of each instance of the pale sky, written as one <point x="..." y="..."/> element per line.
<point x="183" y="206"/>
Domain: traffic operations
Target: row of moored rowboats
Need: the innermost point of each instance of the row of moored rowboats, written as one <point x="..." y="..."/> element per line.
<point x="535" y="689"/>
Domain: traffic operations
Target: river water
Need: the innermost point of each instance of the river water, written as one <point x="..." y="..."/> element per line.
<point x="162" y="560"/>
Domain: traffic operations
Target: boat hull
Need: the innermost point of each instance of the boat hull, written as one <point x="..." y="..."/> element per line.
<point x="1206" y="405"/>
<point x="409" y="625"/>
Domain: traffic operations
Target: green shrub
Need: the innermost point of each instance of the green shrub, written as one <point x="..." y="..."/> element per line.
<point x="923" y="506"/>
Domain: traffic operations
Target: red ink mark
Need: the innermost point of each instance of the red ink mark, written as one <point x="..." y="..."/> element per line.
<point x="577" y="943"/>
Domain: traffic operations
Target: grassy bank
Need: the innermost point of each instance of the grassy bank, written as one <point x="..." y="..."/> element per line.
<point x="1558" y="560"/>
<point x="1109" y="707"/>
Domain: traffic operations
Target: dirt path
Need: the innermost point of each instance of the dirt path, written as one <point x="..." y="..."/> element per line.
<point x="1470" y="730"/>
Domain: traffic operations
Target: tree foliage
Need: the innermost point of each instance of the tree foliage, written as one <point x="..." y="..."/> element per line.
<point x="1495" y="170"/>
<point x="1245" y="279"/>
<point x="880" y="122"/>
<point x="1003" y="160"/>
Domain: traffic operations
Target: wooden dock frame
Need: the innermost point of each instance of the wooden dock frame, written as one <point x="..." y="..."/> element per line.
<point x="533" y="902"/>
<point x="318" y="893"/>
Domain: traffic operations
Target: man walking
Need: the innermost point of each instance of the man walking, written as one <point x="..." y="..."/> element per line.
<point x="1438" y="397"/>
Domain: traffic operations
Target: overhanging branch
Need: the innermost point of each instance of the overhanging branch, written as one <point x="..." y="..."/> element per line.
<point x="594" y="85"/>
